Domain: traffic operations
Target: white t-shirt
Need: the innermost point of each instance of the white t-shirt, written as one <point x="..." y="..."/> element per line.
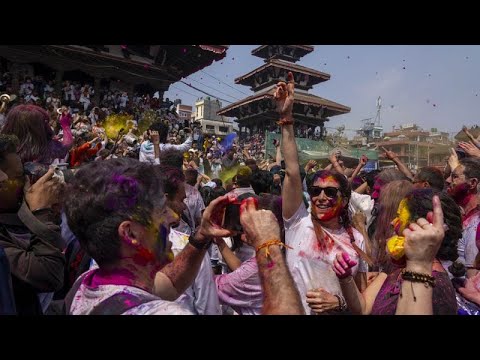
<point x="311" y="267"/>
<point x="87" y="298"/>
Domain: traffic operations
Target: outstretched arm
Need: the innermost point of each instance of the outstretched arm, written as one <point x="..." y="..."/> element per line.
<point x="363" y="161"/>
<point x="292" y="184"/>
<point x="401" y="166"/>
<point x="476" y="141"/>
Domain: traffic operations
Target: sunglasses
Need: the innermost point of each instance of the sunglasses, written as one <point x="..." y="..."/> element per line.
<point x="329" y="191"/>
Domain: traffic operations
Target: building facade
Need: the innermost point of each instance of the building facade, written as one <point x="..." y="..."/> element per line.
<point x="206" y="110"/>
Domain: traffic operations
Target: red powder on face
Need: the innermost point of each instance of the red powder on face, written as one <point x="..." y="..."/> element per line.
<point x="143" y="256"/>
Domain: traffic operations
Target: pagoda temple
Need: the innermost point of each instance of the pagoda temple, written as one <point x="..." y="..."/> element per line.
<point x="257" y="112"/>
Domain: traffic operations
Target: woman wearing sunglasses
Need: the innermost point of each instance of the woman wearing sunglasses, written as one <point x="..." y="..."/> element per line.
<point x="315" y="238"/>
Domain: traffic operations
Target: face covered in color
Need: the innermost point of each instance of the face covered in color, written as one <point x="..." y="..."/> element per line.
<point x="327" y="200"/>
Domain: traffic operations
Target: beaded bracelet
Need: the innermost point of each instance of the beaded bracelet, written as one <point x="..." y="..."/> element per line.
<point x="411" y="276"/>
<point x="270" y="243"/>
<point x="427" y="279"/>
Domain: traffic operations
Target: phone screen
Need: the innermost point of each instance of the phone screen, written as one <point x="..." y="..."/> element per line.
<point x="231" y="219"/>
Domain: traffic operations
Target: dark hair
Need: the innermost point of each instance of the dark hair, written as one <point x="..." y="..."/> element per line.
<point x="102" y="195"/>
<point x="419" y="203"/>
<point x="207" y="194"/>
<point x="162" y="130"/>
<point x="191" y="176"/>
<point x="370" y="177"/>
<point x="472" y="168"/>
<point x="171" y="157"/>
<point x="219" y="182"/>
<point x="433" y="176"/>
<point x="262" y="181"/>
<point x="244" y="176"/>
<point x="171" y="177"/>
<point x="8" y="145"/>
<point x="30" y="124"/>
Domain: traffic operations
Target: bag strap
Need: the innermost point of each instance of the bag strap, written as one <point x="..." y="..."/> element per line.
<point x="37" y="227"/>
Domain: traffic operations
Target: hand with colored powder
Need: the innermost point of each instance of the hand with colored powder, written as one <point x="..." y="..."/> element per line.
<point x="259" y="226"/>
<point x="342" y="265"/>
<point x="210" y="226"/>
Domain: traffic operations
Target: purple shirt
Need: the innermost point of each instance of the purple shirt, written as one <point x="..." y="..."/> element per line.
<point x="242" y="289"/>
<point x="444" y="301"/>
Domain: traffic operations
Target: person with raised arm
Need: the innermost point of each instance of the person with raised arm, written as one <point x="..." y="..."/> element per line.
<point x="421" y="285"/>
<point x="314" y="238"/>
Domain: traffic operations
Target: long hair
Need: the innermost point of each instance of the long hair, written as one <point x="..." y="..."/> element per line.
<point x="30" y="124"/>
<point x="389" y="199"/>
<point x="419" y="203"/>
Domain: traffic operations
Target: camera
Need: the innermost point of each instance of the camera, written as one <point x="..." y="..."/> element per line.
<point x="131" y="139"/>
<point x="35" y="171"/>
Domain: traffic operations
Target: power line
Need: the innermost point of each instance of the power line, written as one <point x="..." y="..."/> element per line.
<point x="193" y="87"/>
<point x="225" y="83"/>
<point x="215" y="89"/>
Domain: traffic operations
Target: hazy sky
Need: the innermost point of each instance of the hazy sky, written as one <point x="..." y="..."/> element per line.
<point x="430" y="85"/>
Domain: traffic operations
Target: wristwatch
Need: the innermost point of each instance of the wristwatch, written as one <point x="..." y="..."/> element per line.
<point x="197" y="244"/>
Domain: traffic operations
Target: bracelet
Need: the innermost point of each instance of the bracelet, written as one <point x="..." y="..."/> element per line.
<point x="342" y="304"/>
<point x="427" y="279"/>
<point x="285" y="121"/>
<point x="197" y="244"/>
<point x="270" y="243"/>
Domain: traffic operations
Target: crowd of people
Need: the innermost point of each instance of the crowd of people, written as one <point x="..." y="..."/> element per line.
<point x="156" y="217"/>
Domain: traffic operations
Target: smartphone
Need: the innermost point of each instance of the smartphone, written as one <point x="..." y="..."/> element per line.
<point x="231" y="220"/>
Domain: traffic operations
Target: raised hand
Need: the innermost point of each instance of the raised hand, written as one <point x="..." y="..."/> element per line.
<point x="45" y="193"/>
<point x="155" y="137"/>
<point x="211" y="224"/>
<point x="310" y="165"/>
<point x="389" y="154"/>
<point x="259" y="225"/>
<point x="363" y="160"/>
<point x="470" y="148"/>
<point x="284" y="96"/>
<point x="342" y="265"/>
<point x="423" y="239"/>
<point x="453" y="159"/>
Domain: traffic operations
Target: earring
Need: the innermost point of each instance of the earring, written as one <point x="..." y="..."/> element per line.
<point x="134" y="242"/>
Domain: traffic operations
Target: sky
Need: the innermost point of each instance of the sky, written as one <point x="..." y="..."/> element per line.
<point x="433" y="86"/>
